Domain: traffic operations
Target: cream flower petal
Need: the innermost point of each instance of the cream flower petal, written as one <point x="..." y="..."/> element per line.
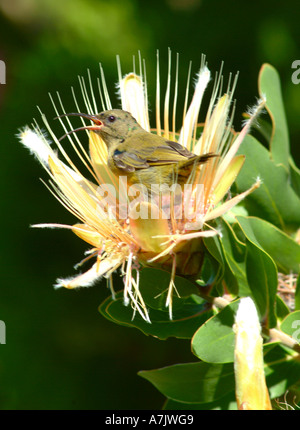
<point x="37" y="144"/>
<point x="236" y="144"/>
<point x="228" y="178"/>
<point x="191" y="117"/>
<point x="87" y="279"/>
<point x="134" y="99"/>
<point x="229" y="204"/>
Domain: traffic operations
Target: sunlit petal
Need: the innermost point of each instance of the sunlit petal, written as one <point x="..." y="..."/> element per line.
<point x="236" y="144"/>
<point x="229" y="204"/>
<point x="228" y="178"/>
<point x="148" y="226"/>
<point x="37" y="144"/>
<point x="193" y="111"/>
<point x="86" y="279"/>
<point x="89" y="235"/>
<point x="134" y="100"/>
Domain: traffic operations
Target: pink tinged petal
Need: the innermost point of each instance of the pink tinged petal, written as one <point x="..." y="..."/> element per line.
<point x="229" y="204"/>
<point x="134" y="100"/>
<point x="251" y="389"/>
<point x="191" y="117"/>
<point x="228" y="178"/>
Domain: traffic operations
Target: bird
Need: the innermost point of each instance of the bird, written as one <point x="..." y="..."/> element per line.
<point x="143" y="157"/>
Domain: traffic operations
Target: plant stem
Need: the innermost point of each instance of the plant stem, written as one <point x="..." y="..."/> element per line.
<point x="276" y="335"/>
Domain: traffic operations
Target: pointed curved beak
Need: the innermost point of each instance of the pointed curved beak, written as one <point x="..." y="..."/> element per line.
<point x="93" y="118"/>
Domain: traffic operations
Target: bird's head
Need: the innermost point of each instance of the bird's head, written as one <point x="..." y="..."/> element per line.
<point x="113" y="125"/>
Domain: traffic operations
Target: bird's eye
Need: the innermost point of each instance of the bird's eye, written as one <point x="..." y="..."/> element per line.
<point x="111" y="118"/>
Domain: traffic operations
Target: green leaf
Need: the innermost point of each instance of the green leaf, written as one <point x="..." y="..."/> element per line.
<point x="263" y="127"/>
<point x="214" y="341"/>
<point x="262" y="279"/>
<point x="214" y="248"/>
<point x="229" y="274"/>
<point x="207" y="386"/>
<point x="192" y="382"/>
<point x="186" y="320"/>
<point x="297" y="294"/>
<point x="291" y="325"/>
<point x="226" y="403"/>
<point x="295" y="177"/>
<point x="281" y="247"/>
<point x="154" y="284"/>
<point x="234" y="251"/>
<point x="275" y="200"/>
<point x="261" y="274"/>
<point x="213" y="268"/>
<point x="218" y="270"/>
<point x="230" y="280"/>
<point x="269" y="86"/>
<point x="281" y="309"/>
<point x="210" y="270"/>
<point x="281" y="370"/>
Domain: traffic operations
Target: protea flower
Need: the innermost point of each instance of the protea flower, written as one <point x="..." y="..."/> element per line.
<point x="128" y="242"/>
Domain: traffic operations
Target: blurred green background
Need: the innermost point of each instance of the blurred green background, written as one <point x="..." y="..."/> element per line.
<point x="60" y="352"/>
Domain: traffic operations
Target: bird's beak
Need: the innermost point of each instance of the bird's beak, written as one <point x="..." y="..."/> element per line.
<point x="96" y="121"/>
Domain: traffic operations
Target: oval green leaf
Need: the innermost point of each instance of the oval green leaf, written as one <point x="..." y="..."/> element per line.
<point x="269" y="87"/>
<point x="185" y="322"/>
<point x="275" y="200"/>
<point x="261" y="275"/>
<point x="192" y="382"/>
<point x="214" y="341"/>
<point x="282" y="248"/>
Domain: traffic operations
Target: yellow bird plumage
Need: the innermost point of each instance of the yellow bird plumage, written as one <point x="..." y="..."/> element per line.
<point x="143" y="157"/>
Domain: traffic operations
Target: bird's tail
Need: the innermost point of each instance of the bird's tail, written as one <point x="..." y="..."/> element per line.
<point x="198" y="159"/>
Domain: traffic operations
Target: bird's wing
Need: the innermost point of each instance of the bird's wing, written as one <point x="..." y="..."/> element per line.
<point x="144" y="156"/>
<point x="129" y="161"/>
